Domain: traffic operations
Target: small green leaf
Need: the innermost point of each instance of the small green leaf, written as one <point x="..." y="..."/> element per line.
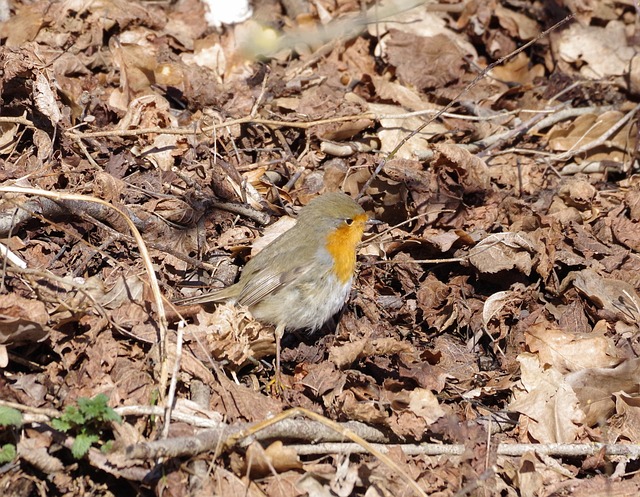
<point x="73" y="416"/>
<point x="10" y="416"/>
<point x="97" y="409"/>
<point x="60" y="424"/>
<point x="93" y="408"/>
<point x="7" y="453"/>
<point x="82" y="444"/>
<point x="112" y="415"/>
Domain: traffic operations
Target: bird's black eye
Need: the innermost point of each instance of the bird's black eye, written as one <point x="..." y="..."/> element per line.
<point x="349" y="221"/>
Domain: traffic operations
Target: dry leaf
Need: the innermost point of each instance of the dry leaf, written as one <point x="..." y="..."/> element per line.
<point x="565" y="351"/>
<point x="21" y="321"/>
<point x="503" y="252"/>
<point x="595" y="387"/>
<point x="548" y="400"/>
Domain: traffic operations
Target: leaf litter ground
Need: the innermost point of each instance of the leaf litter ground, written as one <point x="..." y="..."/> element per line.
<point x="496" y="307"/>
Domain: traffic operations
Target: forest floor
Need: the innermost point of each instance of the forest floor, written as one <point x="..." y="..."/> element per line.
<point x="490" y="345"/>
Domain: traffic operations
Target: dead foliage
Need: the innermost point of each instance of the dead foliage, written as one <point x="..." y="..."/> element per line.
<point x="496" y="305"/>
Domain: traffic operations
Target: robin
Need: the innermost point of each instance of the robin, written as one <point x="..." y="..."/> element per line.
<point x="302" y="278"/>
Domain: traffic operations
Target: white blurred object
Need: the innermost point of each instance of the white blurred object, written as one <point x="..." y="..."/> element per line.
<point x="227" y="11"/>
<point x="5" y="10"/>
<point x="11" y="257"/>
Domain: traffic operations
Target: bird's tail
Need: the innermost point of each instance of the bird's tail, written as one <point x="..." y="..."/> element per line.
<point x="222" y="295"/>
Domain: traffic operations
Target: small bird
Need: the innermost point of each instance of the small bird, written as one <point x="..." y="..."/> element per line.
<point x="302" y="278"/>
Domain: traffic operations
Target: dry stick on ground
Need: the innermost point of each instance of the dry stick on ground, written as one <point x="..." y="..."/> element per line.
<point x="228" y="437"/>
<point x="492" y="142"/>
<point x="484" y="147"/>
<point x="311" y="431"/>
<point x="301" y="430"/>
<point x="18" y="120"/>
<point x="174" y="379"/>
<point x="556" y="117"/>
<point x="273" y="122"/>
<point x="566" y="113"/>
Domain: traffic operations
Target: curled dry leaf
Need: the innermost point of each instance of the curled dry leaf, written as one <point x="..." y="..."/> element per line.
<point x="424" y="63"/>
<point x="535" y="472"/>
<point x="594" y="388"/>
<point x="458" y="168"/>
<point x="393" y="129"/>
<point x="548" y="400"/>
<point x="516" y="23"/>
<point x="45" y="99"/>
<point x="21" y="321"/>
<point x="348" y="353"/>
<point x="424" y="403"/>
<point x="148" y="111"/>
<point x="276" y="457"/>
<point x="231" y="333"/>
<point x="437" y="302"/>
<point x="43" y="143"/>
<point x="565" y="351"/>
<point x="617" y="299"/>
<point x="518" y="70"/>
<point x="35" y="451"/>
<point x="599" y="52"/>
<point x="578" y="193"/>
<point x="626" y="422"/>
<point x="494" y="305"/>
<point x="624" y="229"/>
<point x="137" y="63"/>
<point x="632" y="202"/>
<point x="367" y="411"/>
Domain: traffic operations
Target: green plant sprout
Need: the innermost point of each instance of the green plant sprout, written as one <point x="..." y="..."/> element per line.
<point x="9" y="417"/>
<point x="86" y="422"/>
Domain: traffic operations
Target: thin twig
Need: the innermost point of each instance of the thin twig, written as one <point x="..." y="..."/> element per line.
<point x="566" y="113"/>
<point x="504" y="449"/>
<point x="168" y="403"/>
<point x="18" y="120"/>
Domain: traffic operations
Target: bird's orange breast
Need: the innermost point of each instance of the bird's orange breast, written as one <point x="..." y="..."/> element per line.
<point x="342" y="243"/>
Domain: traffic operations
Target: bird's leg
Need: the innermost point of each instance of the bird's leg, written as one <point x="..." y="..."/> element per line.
<point x="276" y="385"/>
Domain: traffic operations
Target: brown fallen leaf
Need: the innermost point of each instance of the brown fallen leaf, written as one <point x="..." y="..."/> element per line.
<point x="565" y="351"/>
<point x="618" y="299"/>
<point x="21" y="321"/>
<point x="595" y="387"/>
<point x="346" y="354"/>
<point x="503" y="252"/>
<point x="626" y="422"/>
<point x="548" y="400"/>
<point x="259" y="461"/>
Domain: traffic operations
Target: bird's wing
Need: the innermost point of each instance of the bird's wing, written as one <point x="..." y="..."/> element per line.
<point x="267" y="282"/>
